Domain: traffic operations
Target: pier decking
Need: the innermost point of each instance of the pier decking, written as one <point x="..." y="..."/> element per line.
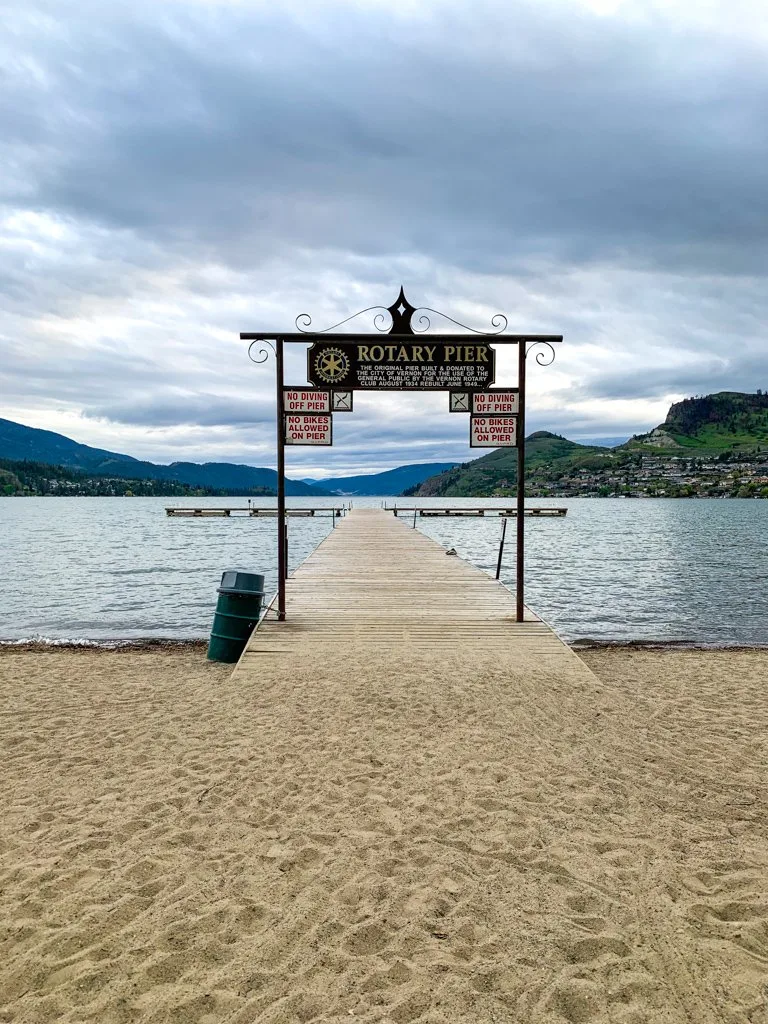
<point x="376" y="583"/>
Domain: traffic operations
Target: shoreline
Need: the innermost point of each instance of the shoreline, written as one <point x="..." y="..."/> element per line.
<point x="170" y="643"/>
<point x="112" y="645"/>
<point x="661" y="645"/>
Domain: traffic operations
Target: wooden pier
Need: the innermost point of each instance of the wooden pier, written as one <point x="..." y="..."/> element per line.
<point x="422" y="510"/>
<point x="376" y="583"/>
<point x="250" y="511"/>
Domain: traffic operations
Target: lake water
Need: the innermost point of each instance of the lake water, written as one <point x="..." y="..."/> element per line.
<point x="611" y="570"/>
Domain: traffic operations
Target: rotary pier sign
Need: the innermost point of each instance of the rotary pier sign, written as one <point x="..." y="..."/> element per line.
<point x="394" y="365"/>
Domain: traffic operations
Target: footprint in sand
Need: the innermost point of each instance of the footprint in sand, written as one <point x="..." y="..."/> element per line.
<point x="594" y="947"/>
<point x="367" y="940"/>
<point x="577" y="1000"/>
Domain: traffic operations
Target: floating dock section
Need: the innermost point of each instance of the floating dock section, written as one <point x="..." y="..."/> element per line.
<point x="206" y="512"/>
<point x="485" y="511"/>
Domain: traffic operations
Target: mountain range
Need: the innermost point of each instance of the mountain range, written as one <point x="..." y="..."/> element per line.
<point x="390" y="482"/>
<point x="728" y="427"/>
<point x="30" y="444"/>
<point x="18" y="441"/>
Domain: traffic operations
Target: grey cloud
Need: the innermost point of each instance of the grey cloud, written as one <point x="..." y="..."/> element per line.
<point x="203" y="169"/>
<point x="75" y="375"/>
<point x="372" y="134"/>
<point x="575" y="426"/>
<point x="164" y="409"/>
<point x="728" y="374"/>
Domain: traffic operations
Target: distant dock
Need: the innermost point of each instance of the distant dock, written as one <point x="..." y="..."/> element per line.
<point x="502" y="512"/>
<point x="250" y="511"/>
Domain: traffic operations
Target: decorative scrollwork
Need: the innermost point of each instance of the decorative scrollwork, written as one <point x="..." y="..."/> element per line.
<point x="498" y="321"/>
<point x="263" y="348"/>
<point x="401" y="320"/>
<point x="304" y="321"/>
<point x="542" y="358"/>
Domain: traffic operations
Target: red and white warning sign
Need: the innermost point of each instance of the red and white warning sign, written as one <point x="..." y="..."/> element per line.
<point x="492" y="431"/>
<point x="309" y="400"/>
<point x="302" y="428"/>
<point x="496" y="403"/>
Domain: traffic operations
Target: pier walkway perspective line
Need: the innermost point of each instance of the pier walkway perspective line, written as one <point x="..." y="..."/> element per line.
<point x="375" y="581"/>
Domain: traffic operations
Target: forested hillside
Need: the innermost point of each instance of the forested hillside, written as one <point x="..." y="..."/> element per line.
<point x="23" y="477"/>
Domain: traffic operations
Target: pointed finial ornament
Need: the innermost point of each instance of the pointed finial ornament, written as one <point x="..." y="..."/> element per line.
<point x="401" y="311"/>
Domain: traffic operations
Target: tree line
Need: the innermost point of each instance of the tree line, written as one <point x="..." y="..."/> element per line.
<point x="28" y="478"/>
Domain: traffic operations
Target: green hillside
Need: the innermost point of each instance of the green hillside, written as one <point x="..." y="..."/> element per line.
<point x="727" y="420"/>
<point x="496" y="472"/>
<point x="715" y="446"/>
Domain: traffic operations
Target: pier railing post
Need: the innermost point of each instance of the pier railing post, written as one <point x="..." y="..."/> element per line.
<point x="520" y="574"/>
<point x="501" y="546"/>
<point x="282" y="526"/>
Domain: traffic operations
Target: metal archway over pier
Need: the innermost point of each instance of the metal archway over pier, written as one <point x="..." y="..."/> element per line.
<point x="401" y="354"/>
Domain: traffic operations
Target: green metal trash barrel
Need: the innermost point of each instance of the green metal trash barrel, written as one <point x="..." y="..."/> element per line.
<point x="237" y="612"/>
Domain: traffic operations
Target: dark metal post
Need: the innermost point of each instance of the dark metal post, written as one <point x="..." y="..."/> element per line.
<point x="501" y="546"/>
<point x="520" y="583"/>
<point x="414" y="519"/>
<point x="282" y="552"/>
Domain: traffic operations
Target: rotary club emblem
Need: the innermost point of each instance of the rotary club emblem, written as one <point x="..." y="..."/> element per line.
<point x="332" y="365"/>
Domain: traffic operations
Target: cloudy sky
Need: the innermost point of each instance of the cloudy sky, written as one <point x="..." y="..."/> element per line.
<point x="177" y="171"/>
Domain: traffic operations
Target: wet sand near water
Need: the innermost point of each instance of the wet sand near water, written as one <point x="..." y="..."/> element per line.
<point x="176" y="847"/>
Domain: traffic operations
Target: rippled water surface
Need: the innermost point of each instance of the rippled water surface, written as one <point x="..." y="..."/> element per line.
<point x="612" y="569"/>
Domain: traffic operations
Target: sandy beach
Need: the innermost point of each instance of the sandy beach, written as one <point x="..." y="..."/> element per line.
<point x="178" y="847"/>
